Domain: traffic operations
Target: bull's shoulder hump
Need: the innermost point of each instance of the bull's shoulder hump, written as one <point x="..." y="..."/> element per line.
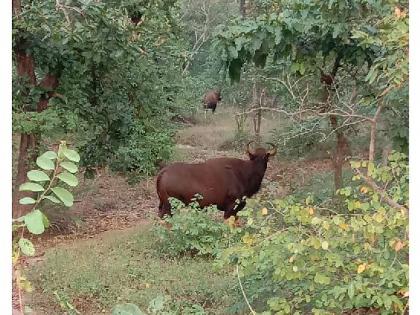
<point x="176" y="165"/>
<point x="226" y="163"/>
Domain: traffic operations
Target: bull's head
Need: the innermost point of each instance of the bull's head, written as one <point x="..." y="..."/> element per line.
<point x="219" y="97"/>
<point x="260" y="153"/>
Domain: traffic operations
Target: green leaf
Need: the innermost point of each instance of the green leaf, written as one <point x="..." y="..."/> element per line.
<point x="51" y="198"/>
<point x="71" y="155"/>
<point x="233" y="52"/>
<point x="26" y="247"/>
<point x="44" y="163"/>
<point x="35" y="222"/>
<point x="61" y="148"/>
<point x="45" y="221"/>
<point x="31" y="187"/>
<point x="295" y="67"/>
<point x="371" y="167"/>
<point x="321" y="279"/>
<point x="157" y="304"/>
<point x="68" y="178"/>
<point x="38" y="176"/>
<point x="350" y="290"/>
<point x="127" y="309"/>
<point x="51" y="155"/>
<point x="27" y="201"/>
<point x="69" y="166"/>
<point x="64" y="195"/>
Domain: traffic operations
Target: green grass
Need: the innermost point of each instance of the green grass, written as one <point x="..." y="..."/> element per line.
<point x="121" y="267"/>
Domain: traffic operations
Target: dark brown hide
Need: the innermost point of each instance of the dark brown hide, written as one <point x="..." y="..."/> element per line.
<point x="211" y="99"/>
<point x="219" y="182"/>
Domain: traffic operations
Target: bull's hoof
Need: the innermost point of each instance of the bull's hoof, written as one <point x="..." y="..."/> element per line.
<point x="238" y="223"/>
<point x="233" y="222"/>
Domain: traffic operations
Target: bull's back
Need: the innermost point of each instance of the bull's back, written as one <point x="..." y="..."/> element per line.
<point x="211" y="98"/>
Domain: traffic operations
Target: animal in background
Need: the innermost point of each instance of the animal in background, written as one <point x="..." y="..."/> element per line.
<point x="223" y="182"/>
<point x="211" y="99"/>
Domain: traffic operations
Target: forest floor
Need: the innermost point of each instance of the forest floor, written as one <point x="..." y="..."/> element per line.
<point x="107" y="209"/>
<point x="108" y="202"/>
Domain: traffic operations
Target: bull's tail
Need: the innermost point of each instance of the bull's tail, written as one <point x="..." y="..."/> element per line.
<point x="164" y="205"/>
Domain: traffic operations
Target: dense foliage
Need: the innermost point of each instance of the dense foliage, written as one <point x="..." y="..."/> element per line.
<point x="192" y="231"/>
<point x="116" y="79"/>
<point x="300" y="257"/>
<point x="357" y="49"/>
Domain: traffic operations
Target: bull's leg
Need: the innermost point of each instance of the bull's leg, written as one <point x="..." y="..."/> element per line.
<point x="233" y="210"/>
<point x="164" y="209"/>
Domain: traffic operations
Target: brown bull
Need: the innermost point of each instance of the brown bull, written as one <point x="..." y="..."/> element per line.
<point x="211" y="99"/>
<point x="219" y="181"/>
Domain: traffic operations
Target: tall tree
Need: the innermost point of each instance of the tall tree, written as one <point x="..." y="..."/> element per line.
<point x="100" y="64"/>
<point x="309" y="37"/>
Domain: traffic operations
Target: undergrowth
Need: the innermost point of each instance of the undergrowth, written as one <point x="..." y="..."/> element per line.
<point x="125" y="268"/>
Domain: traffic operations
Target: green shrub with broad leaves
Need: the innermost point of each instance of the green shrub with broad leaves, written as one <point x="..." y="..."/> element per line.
<point x="193" y="231"/>
<point x="300" y="257"/>
<point x="49" y="182"/>
<point x="161" y="305"/>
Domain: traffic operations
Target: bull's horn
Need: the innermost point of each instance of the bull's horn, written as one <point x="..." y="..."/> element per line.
<point x="273" y="149"/>
<point x="248" y="148"/>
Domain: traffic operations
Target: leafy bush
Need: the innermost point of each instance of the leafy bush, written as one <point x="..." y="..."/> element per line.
<point x="302" y="257"/>
<point x="161" y="305"/>
<point x="303" y="139"/>
<point x="145" y="149"/>
<point x="193" y="231"/>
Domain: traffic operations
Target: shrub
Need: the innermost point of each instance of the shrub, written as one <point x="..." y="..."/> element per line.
<point x="300" y="257"/>
<point x="145" y="149"/>
<point x="160" y="305"/>
<point x="193" y="231"/>
<point x="303" y="139"/>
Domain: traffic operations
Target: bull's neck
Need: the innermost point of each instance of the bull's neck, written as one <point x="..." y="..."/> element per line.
<point x="255" y="175"/>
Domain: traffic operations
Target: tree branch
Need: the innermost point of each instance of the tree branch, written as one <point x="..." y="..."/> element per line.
<point x="368" y="180"/>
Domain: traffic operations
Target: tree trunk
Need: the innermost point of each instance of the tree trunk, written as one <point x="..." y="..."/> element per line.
<point x="373" y="126"/>
<point x="25" y="68"/>
<point x="257" y="125"/>
<point x="342" y="149"/>
<point x="242" y="9"/>
<point x="27" y="153"/>
<point x="372" y="141"/>
<point x="342" y="146"/>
